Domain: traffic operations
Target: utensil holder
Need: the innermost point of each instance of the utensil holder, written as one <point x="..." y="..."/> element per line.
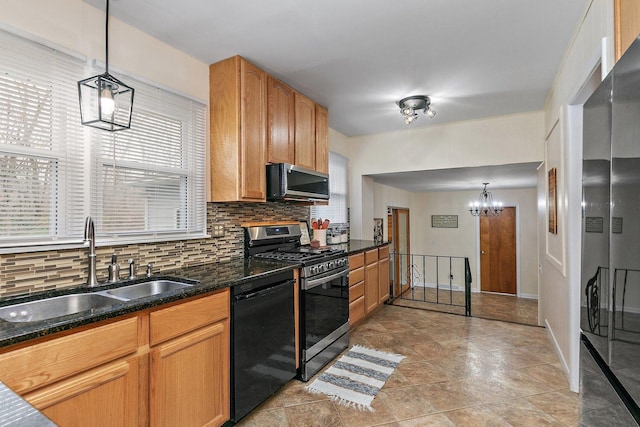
<point x="321" y="236"/>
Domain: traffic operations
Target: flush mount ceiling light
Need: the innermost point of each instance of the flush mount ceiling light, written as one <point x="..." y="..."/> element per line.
<point x="105" y="102"/>
<point x="411" y="104"/>
<point x="485" y="206"/>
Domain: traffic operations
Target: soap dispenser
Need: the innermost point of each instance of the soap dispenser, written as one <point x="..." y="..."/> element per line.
<point x="114" y="269"/>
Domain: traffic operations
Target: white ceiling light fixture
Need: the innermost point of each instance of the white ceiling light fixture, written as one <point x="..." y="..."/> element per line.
<point x="411" y="104"/>
<point x="485" y="206"/>
<point x="105" y="102"/>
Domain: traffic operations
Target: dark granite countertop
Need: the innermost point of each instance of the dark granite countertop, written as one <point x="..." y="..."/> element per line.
<point x="355" y="246"/>
<point x="210" y="277"/>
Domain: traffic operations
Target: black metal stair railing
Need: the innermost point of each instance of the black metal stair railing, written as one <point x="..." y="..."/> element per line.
<point x="432" y="279"/>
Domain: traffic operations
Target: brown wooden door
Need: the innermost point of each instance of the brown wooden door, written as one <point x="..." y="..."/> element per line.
<point x="253" y="119"/>
<point x="401" y="249"/>
<point x="498" y="252"/>
<point x="305" y="134"/>
<point x="281" y="122"/>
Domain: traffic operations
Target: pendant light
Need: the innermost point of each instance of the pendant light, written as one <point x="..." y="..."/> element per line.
<point x="485" y="206"/>
<point x="105" y="102"/>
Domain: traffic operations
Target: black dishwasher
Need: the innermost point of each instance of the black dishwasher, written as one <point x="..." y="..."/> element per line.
<point x="263" y="355"/>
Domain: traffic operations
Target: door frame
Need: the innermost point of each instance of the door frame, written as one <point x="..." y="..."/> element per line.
<point x="477" y="237"/>
<point x="391" y="211"/>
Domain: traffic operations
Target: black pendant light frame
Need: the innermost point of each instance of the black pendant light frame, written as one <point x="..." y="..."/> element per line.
<point x="105" y="101"/>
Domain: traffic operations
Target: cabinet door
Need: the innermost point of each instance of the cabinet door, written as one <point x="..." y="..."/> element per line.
<point x="322" y="139"/>
<point x="253" y="133"/>
<point x="305" y="135"/>
<point x="626" y="24"/>
<point x="371" y="286"/>
<point x="190" y="379"/>
<point x="105" y="396"/>
<point x="383" y="279"/>
<point x="281" y="122"/>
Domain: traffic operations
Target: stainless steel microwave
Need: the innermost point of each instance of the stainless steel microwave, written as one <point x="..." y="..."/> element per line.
<point x="289" y="182"/>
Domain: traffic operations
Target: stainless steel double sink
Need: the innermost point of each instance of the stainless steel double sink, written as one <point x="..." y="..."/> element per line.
<point x="51" y="308"/>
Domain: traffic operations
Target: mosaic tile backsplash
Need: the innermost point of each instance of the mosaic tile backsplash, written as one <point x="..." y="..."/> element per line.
<point x="23" y="273"/>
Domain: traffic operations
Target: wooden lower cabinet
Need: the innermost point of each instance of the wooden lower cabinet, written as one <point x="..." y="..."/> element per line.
<point x="383" y="273"/>
<point x="164" y="367"/>
<point x="371" y="299"/>
<point x="189" y="379"/>
<point x="105" y="396"/>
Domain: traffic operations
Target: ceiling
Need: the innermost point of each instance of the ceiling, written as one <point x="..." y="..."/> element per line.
<point x="358" y="57"/>
<point x="519" y="175"/>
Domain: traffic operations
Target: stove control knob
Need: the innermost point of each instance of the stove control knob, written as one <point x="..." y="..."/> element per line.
<point x="321" y="268"/>
<point x="331" y="265"/>
<point x="313" y="270"/>
<point x="341" y="262"/>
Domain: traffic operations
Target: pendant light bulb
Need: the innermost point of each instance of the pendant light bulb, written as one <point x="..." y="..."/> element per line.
<point x="107" y="104"/>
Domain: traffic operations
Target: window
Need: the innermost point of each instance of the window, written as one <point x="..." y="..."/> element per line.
<point x="42" y="181"/>
<point x="149" y="180"/>
<point x="143" y="184"/>
<point x="336" y="210"/>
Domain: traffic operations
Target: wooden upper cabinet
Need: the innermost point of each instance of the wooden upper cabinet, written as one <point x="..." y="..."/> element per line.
<point x="305" y="134"/>
<point x="626" y="24"/>
<point x="238" y="122"/>
<point x="281" y="122"/>
<point x="322" y="139"/>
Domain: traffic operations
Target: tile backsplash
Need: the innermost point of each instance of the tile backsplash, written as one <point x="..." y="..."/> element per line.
<point x="23" y="273"/>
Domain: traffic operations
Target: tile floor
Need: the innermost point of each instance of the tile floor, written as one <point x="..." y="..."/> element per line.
<point x="458" y="371"/>
<point x="508" y="308"/>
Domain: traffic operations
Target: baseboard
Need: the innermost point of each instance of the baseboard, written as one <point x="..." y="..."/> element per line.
<point x="556" y="348"/>
<point x="528" y="296"/>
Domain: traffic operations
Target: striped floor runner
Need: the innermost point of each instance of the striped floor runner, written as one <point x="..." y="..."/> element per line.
<point x="355" y="378"/>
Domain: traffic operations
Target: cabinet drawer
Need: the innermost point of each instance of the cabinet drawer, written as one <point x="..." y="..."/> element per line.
<point x="179" y="319"/>
<point x="371" y="256"/>
<point x="356" y="260"/>
<point x="35" y="366"/>
<point x="356" y="311"/>
<point x="383" y="252"/>
<point x="356" y="276"/>
<point x="356" y="291"/>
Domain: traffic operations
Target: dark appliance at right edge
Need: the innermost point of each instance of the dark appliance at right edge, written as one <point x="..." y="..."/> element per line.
<point x="610" y="277"/>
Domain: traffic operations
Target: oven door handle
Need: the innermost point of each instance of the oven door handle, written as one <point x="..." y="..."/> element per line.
<point x="308" y="284"/>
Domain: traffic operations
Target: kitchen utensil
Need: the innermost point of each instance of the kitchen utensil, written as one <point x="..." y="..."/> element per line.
<point x="325" y="224"/>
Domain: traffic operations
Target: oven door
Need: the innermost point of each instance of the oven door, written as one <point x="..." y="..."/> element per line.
<point x="324" y="310"/>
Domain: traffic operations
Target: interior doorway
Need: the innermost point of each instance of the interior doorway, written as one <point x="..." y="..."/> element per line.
<point x="399" y="234"/>
<point x="498" y="248"/>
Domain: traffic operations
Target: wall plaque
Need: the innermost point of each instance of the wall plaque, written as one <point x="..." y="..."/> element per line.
<point x="444" y="221"/>
<point x="616" y="225"/>
<point x="593" y="224"/>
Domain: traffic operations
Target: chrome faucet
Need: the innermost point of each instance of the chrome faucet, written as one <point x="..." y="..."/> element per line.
<point x="90" y="237"/>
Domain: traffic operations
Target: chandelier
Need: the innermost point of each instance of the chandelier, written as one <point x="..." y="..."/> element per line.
<point x="411" y="104"/>
<point x="105" y="102"/>
<point x="485" y="206"/>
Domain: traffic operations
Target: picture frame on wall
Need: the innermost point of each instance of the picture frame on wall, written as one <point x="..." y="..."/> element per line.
<point x="552" y="201"/>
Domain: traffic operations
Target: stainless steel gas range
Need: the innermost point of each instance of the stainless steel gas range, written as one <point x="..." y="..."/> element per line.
<point x="324" y="291"/>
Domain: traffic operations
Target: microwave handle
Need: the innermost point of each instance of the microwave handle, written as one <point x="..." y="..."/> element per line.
<point x="317" y="282"/>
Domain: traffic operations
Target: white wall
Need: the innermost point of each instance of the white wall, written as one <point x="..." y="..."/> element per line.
<point x="79" y="27"/>
<point x="516" y="138"/>
<point x="464" y="240"/>
<point x="560" y="255"/>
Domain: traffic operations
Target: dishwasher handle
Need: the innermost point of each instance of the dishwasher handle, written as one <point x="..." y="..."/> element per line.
<point x="266" y="291"/>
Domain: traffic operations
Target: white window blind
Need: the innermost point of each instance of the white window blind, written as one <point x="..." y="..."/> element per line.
<point x="336" y="210"/>
<point x="149" y="181"/>
<point x="42" y="155"/>
<point x="139" y="185"/>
